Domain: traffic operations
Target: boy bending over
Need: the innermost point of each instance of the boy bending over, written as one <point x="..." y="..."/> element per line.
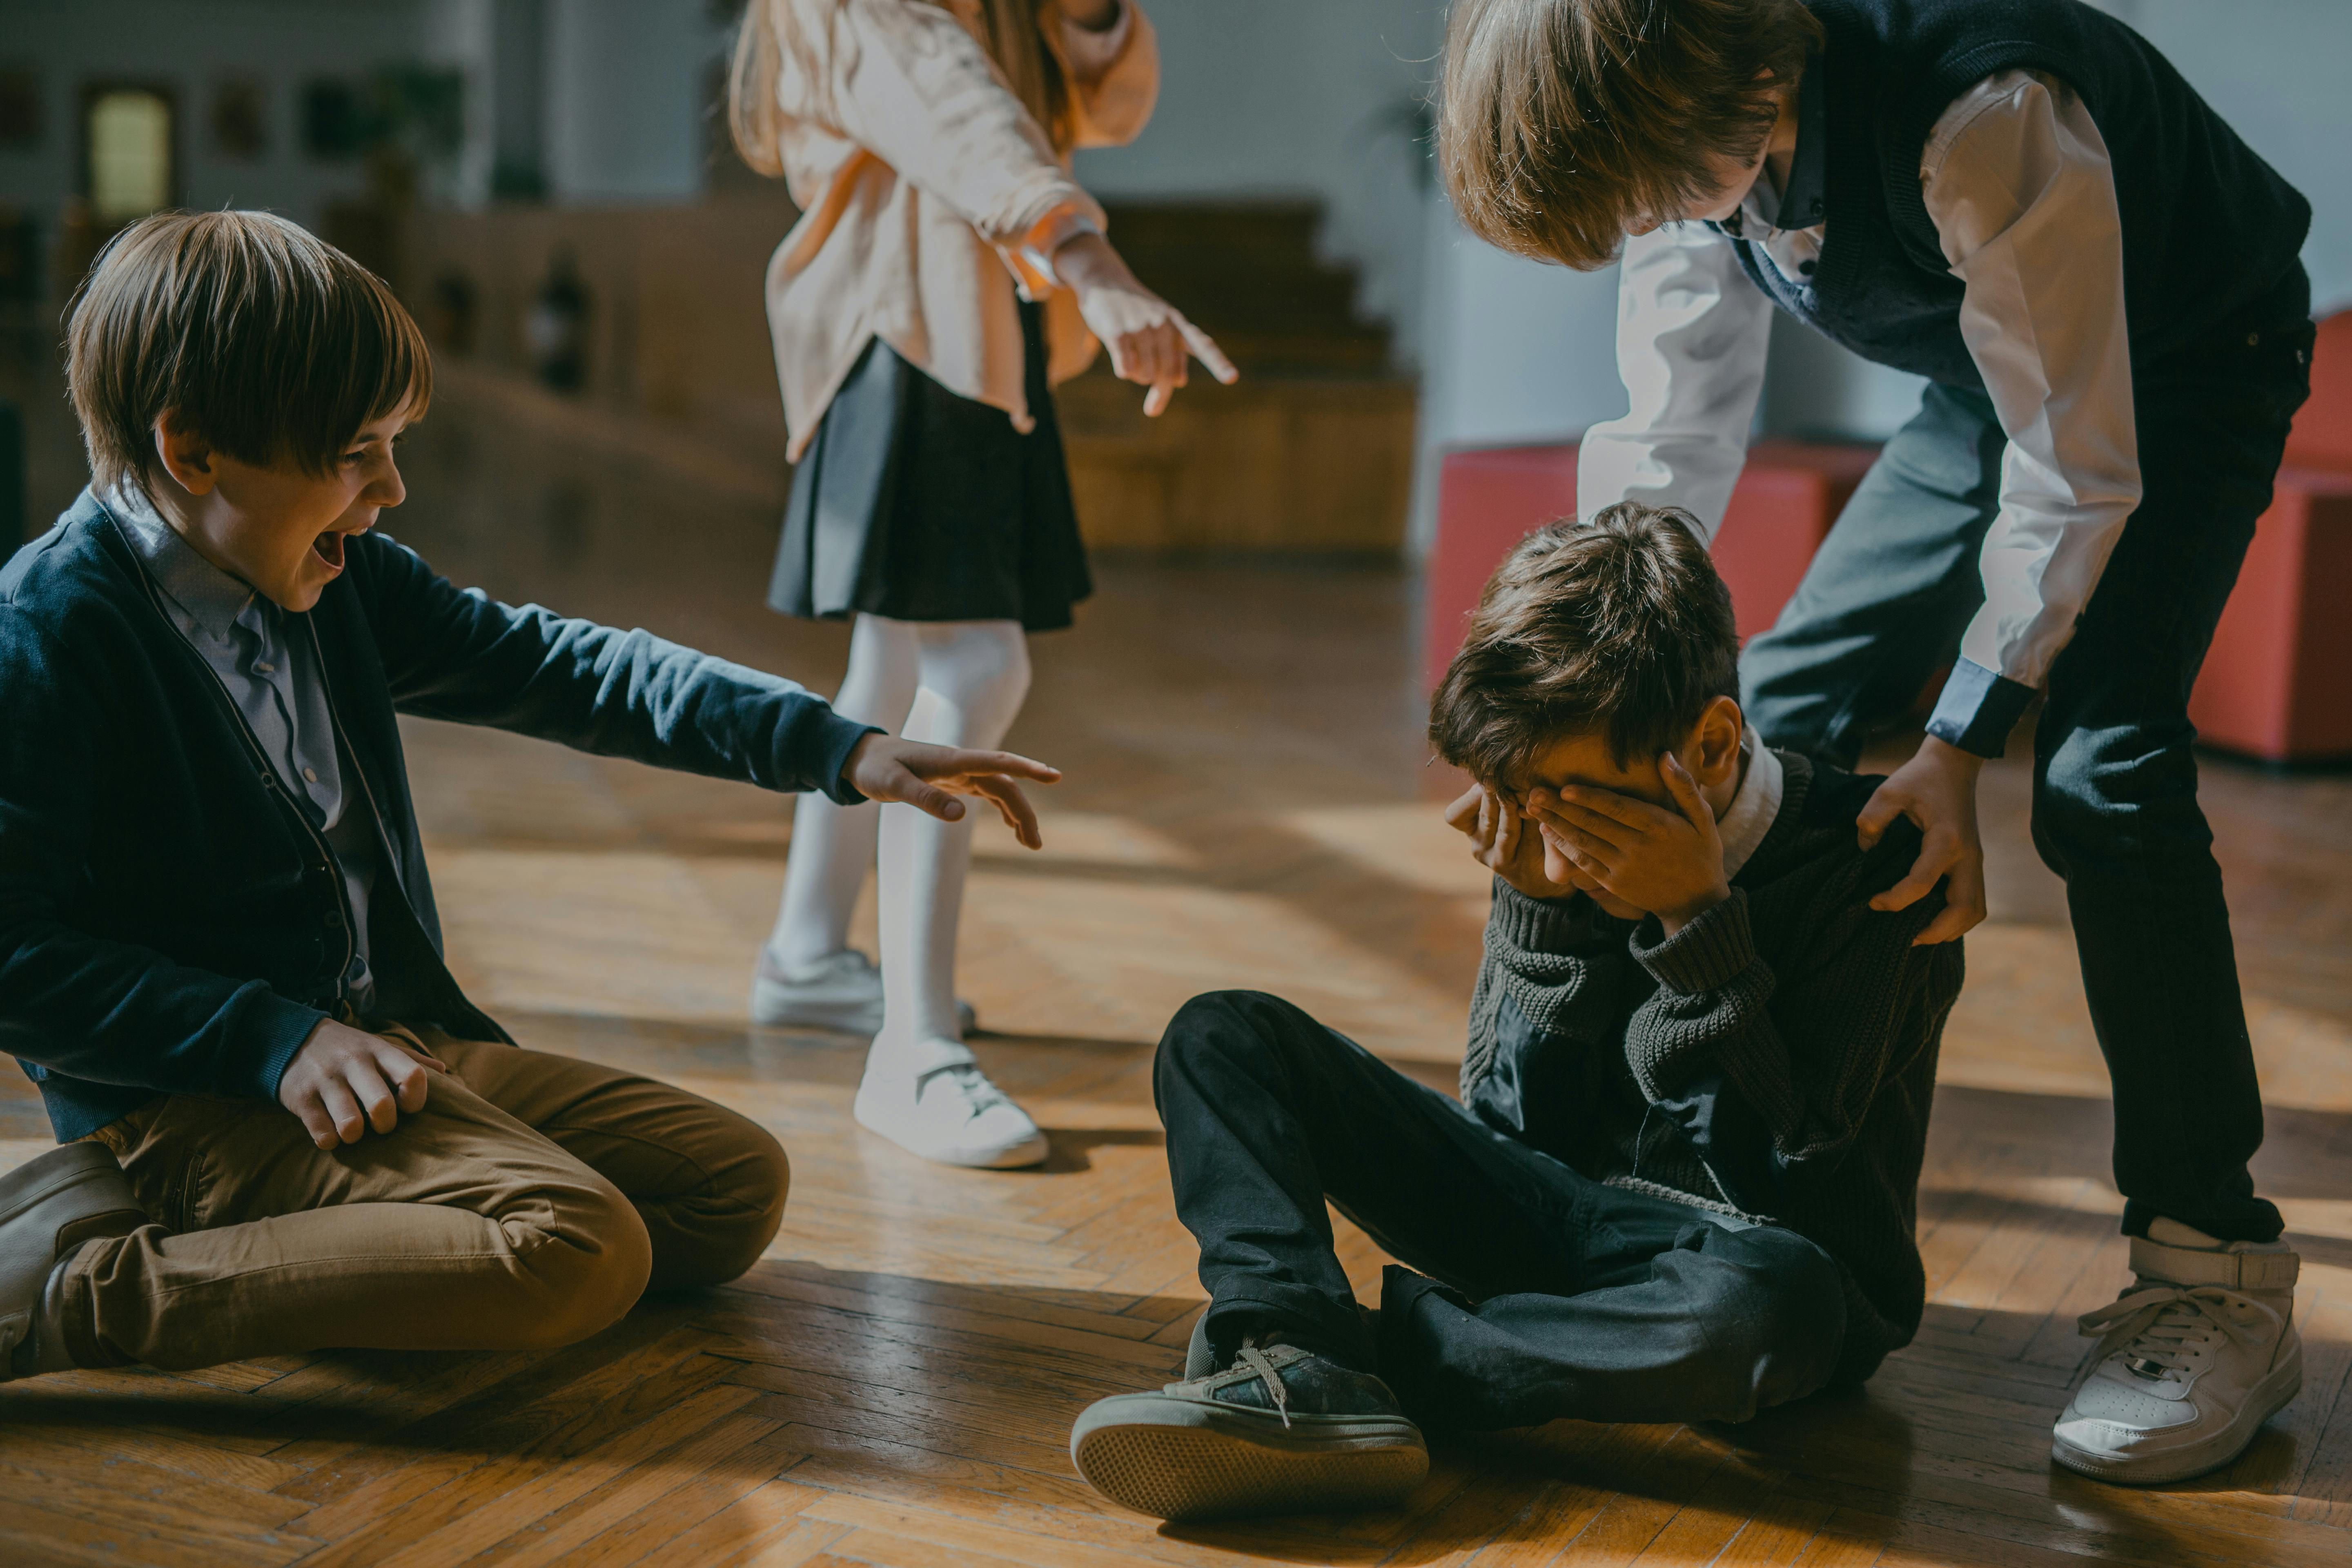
<point x="286" y="1127"/>
<point x="1679" y="1185"/>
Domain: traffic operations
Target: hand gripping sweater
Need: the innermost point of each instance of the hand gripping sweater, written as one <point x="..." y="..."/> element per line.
<point x="1775" y="1059"/>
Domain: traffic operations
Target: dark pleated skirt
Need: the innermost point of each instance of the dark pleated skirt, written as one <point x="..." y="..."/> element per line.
<point x="917" y="504"/>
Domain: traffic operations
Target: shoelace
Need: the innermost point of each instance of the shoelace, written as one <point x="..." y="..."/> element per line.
<point x="979" y="1094"/>
<point x="2151" y="1328"/>
<point x="1255" y="1359"/>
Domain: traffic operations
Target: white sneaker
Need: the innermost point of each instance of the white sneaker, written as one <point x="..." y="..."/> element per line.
<point x="935" y="1101"/>
<point x="842" y="991"/>
<point x="2193" y="1359"/>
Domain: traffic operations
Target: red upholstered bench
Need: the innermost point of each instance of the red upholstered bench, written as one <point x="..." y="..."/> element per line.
<point x="1488" y="500"/>
<point x="2277" y="683"/>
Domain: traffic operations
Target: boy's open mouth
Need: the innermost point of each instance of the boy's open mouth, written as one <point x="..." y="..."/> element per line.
<point x="329" y="548"/>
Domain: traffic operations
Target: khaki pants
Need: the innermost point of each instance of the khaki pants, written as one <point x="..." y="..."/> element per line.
<point x="529" y="1204"/>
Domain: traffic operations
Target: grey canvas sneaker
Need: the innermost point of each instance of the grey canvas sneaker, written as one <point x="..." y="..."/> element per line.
<point x="1280" y="1430"/>
<point x="842" y="993"/>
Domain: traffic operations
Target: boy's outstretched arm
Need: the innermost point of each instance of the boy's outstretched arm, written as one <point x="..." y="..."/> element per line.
<point x="461" y="656"/>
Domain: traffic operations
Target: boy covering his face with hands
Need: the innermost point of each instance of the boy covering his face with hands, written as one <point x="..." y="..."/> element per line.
<point x="1680" y="1182"/>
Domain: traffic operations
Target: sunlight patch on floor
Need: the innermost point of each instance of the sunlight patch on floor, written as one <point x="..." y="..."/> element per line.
<point x="2022" y="1027"/>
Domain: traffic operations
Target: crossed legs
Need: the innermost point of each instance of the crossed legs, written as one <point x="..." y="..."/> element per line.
<point x="1539" y="1293"/>
<point x="529" y="1204"/>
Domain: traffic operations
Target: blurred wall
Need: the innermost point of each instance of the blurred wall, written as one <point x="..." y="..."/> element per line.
<point x="192" y="49"/>
<point x="1315" y="98"/>
<point x="625" y="82"/>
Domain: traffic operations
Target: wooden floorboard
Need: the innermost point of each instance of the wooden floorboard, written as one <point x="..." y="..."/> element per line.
<point x="894" y="1383"/>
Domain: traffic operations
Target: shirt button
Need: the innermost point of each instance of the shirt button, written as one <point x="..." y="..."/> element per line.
<point x="264" y="665"/>
<point x="310" y="773"/>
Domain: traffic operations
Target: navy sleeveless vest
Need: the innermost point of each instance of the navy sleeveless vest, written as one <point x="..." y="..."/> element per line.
<point x="2208" y="227"/>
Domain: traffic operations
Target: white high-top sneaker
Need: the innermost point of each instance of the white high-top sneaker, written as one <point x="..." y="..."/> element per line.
<point x="932" y="1099"/>
<point x="842" y="991"/>
<point x="2191" y="1360"/>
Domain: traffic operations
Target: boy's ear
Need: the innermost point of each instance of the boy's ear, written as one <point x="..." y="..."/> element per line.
<point x="184" y="453"/>
<point x="1712" y="754"/>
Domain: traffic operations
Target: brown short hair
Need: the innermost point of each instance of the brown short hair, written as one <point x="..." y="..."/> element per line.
<point x="274" y="344"/>
<point x="1567" y="123"/>
<point x="1619" y="626"/>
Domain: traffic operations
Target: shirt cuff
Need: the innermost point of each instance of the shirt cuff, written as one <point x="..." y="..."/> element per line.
<point x="1706" y="954"/>
<point x="1979" y="709"/>
<point x="1058" y="228"/>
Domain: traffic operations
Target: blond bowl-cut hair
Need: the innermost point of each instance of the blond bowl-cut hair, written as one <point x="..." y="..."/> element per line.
<point x="275" y="346"/>
<point x="1566" y="124"/>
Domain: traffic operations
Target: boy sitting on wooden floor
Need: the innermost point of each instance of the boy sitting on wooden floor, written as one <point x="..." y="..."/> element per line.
<point x="218" y="951"/>
<point x="1680" y="1182"/>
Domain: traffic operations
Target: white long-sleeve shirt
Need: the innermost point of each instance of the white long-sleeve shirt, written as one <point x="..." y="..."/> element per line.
<point x="2017" y="181"/>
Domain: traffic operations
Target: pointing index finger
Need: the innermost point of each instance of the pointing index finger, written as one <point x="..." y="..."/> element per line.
<point x="1205" y="350"/>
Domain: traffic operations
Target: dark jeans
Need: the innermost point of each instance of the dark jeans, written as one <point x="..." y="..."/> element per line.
<point x="1552" y="1295"/>
<point x="2115" y="782"/>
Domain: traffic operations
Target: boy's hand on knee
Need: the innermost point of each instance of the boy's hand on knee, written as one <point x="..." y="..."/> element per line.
<point x="1937" y="789"/>
<point x="929" y="778"/>
<point x="345" y="1080"/>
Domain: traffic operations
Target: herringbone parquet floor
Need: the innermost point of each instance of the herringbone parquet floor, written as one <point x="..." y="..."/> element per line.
<point x="894" y="1384"/>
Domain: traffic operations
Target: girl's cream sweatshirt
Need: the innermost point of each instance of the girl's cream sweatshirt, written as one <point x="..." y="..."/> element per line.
<point x="930" y="198"/>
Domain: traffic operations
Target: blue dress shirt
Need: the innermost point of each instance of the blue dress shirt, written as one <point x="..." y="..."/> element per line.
<point x="269" y="668"/>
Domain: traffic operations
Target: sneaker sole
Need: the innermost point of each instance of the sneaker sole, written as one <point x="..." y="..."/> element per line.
<point x="2269" y="1396"/>
<point x="1011" y="1157"/>
<point x="1184" y="1460"/>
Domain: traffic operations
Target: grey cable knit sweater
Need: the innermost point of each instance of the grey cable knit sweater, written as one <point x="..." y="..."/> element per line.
<point x="1775" y="1059"/>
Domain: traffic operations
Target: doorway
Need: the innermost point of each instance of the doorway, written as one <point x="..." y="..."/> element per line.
<point x="130" y="152"/>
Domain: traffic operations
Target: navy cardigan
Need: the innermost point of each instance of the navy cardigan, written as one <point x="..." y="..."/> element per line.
<point x="169" y="919"/>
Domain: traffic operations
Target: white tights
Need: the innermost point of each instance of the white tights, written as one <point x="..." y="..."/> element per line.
<point x="951" y="683"/>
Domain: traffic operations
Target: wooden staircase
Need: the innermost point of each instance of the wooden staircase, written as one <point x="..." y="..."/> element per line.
<point x="1310" y="453"/>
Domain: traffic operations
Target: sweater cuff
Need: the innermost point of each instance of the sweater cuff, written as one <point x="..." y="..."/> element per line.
<point x="1704" y="956"/>
<point x="1979" y="709"/>
<point x="285" y="1027"/>
<point x="840" y="737"/>
<point x="1059" y="227"/>
<point x="1563" y="926"/>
